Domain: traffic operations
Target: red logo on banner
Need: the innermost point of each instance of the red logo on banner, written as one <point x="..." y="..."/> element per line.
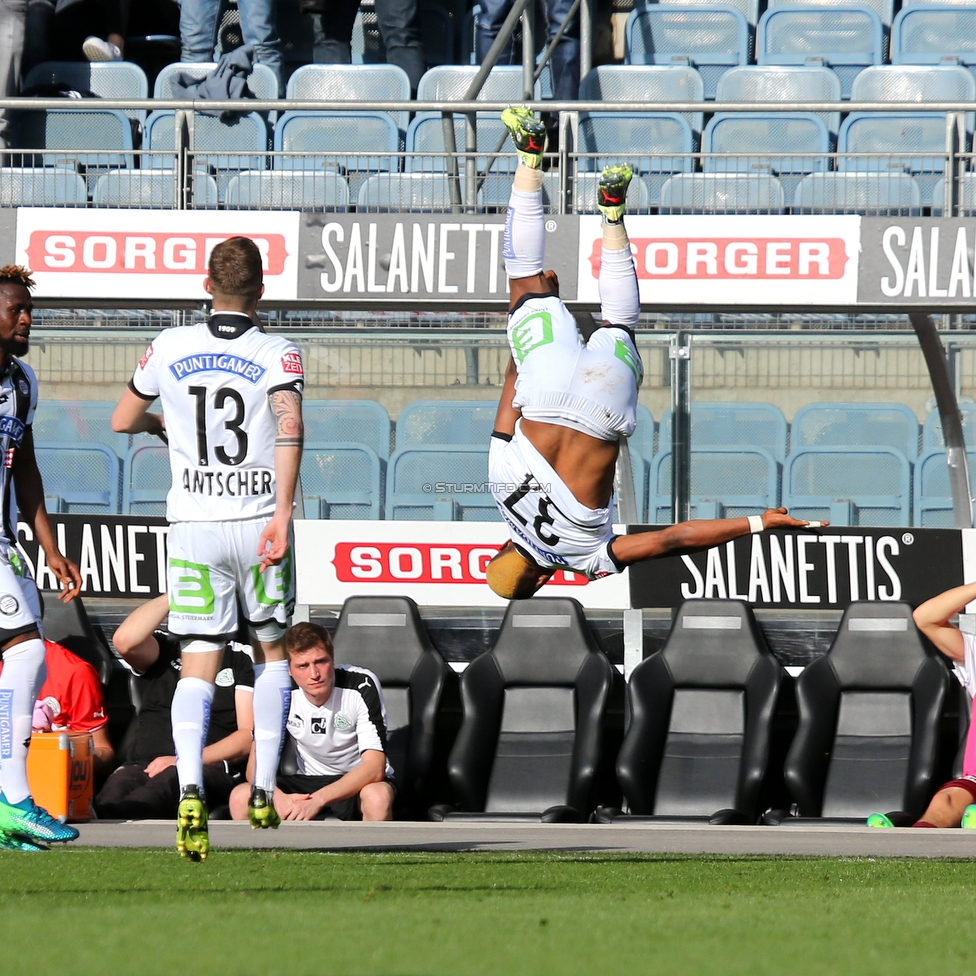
<point x="421" y="562"/>
<point x="146" y="357"/>
<point x="291" y="362"/>
<point x="129" y="252"/>
<point x="757" y="258"/>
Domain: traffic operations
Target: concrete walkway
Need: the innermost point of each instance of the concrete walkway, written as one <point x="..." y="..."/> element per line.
<point x="621" y="838"/>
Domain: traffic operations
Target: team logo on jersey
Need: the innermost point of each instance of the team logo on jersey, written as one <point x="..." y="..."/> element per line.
<point x="8" y="457"/>
<point x="13" y="428"/>
<point x="341" y="723"/>
<point x="320" y="725"/>
<point x="295" y="723"/>
<point x="221" y="363"/>
<point x="146" y="356"/>
<point x="225" y="678"/>
<point x="532" y="332"/>
<point x="23" y="387"/>
<point x="8" y="605"/>
<point x="291" y="362"/>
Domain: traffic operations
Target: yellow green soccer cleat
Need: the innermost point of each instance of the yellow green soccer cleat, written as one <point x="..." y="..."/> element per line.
<point x="192" y="837"/>
<point x="878" y="820"/>
<point x="612" y="192"/>
<point x="528" y="134"/>
<point x="969" y="817"/>
<point x="261" y="810"/>
<point x="26" y="821"/>
<point x="11" y="842"/>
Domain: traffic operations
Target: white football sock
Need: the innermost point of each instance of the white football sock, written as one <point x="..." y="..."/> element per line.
<point x="191" y="719"/>
<point x="524" y="243"/>
<point x="20" y="683"/>
<point x="619" y="295"/>
<point x="272" y="699"/>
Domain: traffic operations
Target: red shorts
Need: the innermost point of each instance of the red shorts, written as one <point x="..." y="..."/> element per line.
<point x="961" y="784"/>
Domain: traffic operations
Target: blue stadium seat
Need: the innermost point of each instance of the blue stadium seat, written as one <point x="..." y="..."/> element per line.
<point x="711" y="39"/>
<point x="655" y="144"/>
<point x="784" y="145"/>
<point x="935" y="34"/>
<point x="748" y="8"/>
<point x="81" y="479"/>
<point x="146" y="478"/>
<point x="78" y="422"/>
<point x="887" y="134"/>
<point x="106" y="79"/>
<point x="885" y="9"/>
<point x="327" y="137"/>
<point x="446" y="422"/>
<point x="227" y="149"/>
<point x="714" y="424"/>
<point x="782" y="83"/>
<point x="261" y="81"/>
<point x="856" y="425"/>
<point x="846" y="38"/>
<point x="726" y="482"/>
<point x="965" y="204"/>
<point x="639" y="197"/>
<point x="450" y="82"/>
<point x="722" y="193"/>
<point x="287" y="190"/>
<point x="932" y="428"/>
<point x="652" y="84"/>
<point x="495" y="188"/>
<point x="41" y="186"/>
<point x="92" y="137"/>
<point x="151" y="188"/>
<point x="401" y="192"/>
<point x="933" y="496"/>
<point x="352" y="83"/>
<point x="341" y="481"/>
<point x="425" y="136"/>
<point x="357" y="421"/>
<point x="438" y="483"/>
<point x="878" y="194"/>
<point x="915" y="83"/>
<point x="849" y="485"/>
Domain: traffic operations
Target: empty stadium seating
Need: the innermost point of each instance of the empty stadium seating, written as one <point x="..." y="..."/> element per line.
<point x="146" y="480"/>
<point x="42" y="186"/>
<point x="417" y="192"/>
<point x="360" y="421"/>
<point x="104" y="79"/>
<point x="932" y="494"/>
<point x="874" y="194"/>
<point x="723" y="193"/>
<point x="79" y="478"/>
<point x="96" y="138"/>
<point x="352" y="83"/>
<point x="932" y="435"/>
<point x="440" y="482"/>
<point x="717" y="424"/>
<point x="79" y="421"/>
<point x="856" y="425"/>
<point x="287" y="190"/>
<point x="935" y="34"/>
<point x="651" y="84"/>
<point x="341" y="481"/>
<point x="446" y="422"/>
<point x="347" y="141"/>
<point x="150" y="188"/>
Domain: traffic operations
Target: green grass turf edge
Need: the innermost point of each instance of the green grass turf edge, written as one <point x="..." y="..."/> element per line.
<point x="95" y="910"/>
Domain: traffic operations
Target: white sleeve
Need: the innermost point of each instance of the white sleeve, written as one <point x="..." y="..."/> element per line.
<point x="602" y="563"/>
<point x="145" y="379"/>
<point x="286" y="371"/>
<point x="966" y="671"/>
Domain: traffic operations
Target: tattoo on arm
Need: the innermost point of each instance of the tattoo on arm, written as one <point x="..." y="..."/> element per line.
<point x="286" y="405"/>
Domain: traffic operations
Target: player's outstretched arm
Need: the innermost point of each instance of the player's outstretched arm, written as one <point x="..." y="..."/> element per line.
<point x="131" y="416"/>
<point x="507" y="416"/>
<point x="698" y="534"/>
<point x="932" y="619"/>
<point x="30" y="502"/>
<point x="286" y="405"/>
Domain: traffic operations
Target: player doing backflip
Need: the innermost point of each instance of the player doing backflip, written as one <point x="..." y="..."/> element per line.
<point x="567" y="401"/>
<point x="231" y="399"/>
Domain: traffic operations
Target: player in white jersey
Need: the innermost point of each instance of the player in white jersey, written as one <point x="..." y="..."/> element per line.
<point x="567" y="401"/>
<point x="23" y="825"/>
<point x="231" y="400"/>
<point x="338" y="723"/>
<point x="954" y="803"/>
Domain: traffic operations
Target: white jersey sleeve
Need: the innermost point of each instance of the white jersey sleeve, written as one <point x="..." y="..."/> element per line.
<point x="145" y="379"/>
<point x="965" y="670"/>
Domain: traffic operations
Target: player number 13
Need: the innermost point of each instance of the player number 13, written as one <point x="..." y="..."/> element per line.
<point x="233" y="425"/>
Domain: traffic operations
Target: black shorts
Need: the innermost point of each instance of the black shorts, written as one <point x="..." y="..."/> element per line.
<point x="347" y="809"/>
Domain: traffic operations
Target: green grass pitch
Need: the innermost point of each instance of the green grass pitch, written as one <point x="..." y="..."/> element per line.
<point x="93" y="911"/>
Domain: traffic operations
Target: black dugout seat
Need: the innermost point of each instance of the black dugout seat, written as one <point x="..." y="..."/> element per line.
<point x="701" y="715"/>
<point x="534" y="708"/>
<point x="67" y="624"/>
<point x="870" y="711"/>
<point x="386" y="635"/>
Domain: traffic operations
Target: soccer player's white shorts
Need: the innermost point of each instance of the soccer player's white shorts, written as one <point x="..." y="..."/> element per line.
<point x="20" y="609"/>
<point x="211" y="565"/>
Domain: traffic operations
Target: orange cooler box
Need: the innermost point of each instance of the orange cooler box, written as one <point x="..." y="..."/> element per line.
<point x="60" y="768"/>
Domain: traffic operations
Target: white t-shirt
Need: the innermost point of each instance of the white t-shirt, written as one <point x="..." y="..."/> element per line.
<point x="966" y="669"/>
<point x="543" y="516"/>
<point x="213" y="381"/>
<point x="331" y="738"/>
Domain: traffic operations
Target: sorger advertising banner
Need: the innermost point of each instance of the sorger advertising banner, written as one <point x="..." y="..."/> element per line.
<point x="438" y="564"/>
<point x="733" y="260"/>
<point x="147" y="253"/>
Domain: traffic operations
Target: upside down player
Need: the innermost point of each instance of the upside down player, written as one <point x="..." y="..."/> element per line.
<point x="954" y="803"/>
<point x="567" y="401"/>
<point x="23" y="825"/>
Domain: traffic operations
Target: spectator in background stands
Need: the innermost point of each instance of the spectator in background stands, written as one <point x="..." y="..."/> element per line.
<point x="399" y="25"/>
<point x="12" y="19"/>
<point x="148" y="787"/>
<point x="565" y="61"/>
<point x="198" y="31"/>
<point x="65" y="30"/>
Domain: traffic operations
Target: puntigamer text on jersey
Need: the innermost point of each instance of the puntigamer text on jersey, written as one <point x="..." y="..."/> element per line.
<point x="204" y="363"/>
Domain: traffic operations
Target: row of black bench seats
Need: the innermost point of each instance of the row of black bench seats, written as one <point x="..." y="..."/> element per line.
<point x="532" y="728"/>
